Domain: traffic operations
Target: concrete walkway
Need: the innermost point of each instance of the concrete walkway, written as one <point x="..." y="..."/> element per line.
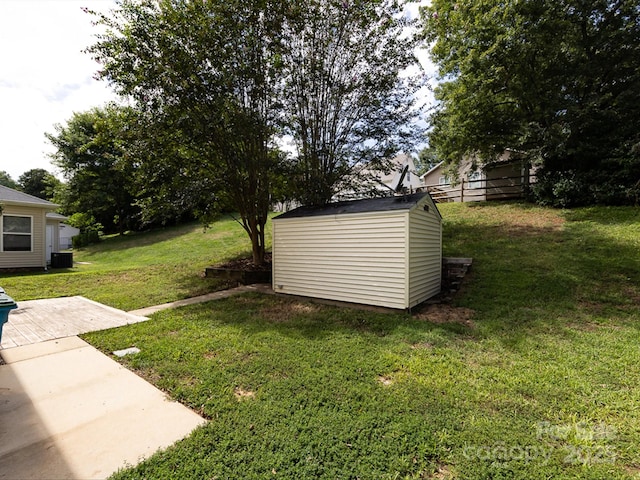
<point x="67" y="411"/>
<point x="259" y="287"/>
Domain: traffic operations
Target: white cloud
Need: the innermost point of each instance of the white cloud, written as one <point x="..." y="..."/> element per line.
<point x="44" y="76"/>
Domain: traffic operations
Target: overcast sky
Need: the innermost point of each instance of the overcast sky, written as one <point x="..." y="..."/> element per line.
<point x="45" y="77"/>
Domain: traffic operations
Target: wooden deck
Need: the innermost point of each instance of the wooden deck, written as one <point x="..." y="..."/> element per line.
<point x="40" y="320"/>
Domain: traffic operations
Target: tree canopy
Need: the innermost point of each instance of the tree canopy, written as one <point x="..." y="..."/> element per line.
<point x="90" y="152"/>
<point x="346" y="101"/>
<point x="39" y="183"/>
<point x="557" y="81"/>
<point x="7" y="181"/>
<point x="219" y="85"/>
<point x="203" y="75"/>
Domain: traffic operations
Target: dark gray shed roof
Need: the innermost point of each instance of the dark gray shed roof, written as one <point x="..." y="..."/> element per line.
<point x="14" y="197"/>
<point x="382" y="204"/>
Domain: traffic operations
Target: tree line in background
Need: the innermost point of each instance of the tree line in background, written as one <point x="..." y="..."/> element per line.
<point x="239" y="104"/>
<point x="37" y="182"/>
<point x="236" y="105"/>
<point x="555" y="81"/>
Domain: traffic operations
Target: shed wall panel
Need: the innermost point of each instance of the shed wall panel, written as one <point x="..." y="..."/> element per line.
<point x="358" y="258"/>
<point x="36" y="257"/>
<point x="425" y="254"/>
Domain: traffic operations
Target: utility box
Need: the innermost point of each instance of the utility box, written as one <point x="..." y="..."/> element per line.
<point x="62" y="260"/>
<point x="6" y="305"/>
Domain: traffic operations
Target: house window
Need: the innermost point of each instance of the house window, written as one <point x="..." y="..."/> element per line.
<point x="443" y="180"/>
<point x="17" y="233"/>
<point x="475" y="180"/>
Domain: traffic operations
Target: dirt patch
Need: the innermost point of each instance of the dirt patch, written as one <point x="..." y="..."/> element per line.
<point x="242" y="394"/>
<point x="443" y="473"/>
<point x="631" y="292"/>
<point x="383" y="379"/>
<point x="283" y="312"/>
<point x="444" y="313"/>
<point x="247" y="264"/>
<point x="593" y="327"/>
<point x="632" y="469"/>
<point x="584" y="327"/>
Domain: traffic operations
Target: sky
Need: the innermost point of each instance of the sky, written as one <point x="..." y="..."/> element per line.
<point x="45" y="77"/>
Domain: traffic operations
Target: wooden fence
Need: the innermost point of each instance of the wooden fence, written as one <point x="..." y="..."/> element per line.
<point x="497" y="188"/>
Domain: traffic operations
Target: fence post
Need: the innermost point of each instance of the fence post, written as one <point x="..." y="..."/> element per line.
<point x="526" y="184"/>
<point x="462" y="191"/>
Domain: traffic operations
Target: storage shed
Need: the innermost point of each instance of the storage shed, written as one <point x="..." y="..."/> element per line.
<point x="382" y="251"/>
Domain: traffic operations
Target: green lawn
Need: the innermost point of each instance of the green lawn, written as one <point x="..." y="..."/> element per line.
<point x="140" y="270"/>
<point x="533" y="373"/>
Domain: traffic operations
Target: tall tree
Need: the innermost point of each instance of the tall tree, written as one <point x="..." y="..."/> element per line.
<point x="346" y="102"/>
<point x="204" y="75"/>
<point x="427" y="159"/>
<point x="90" y="151"/>
<point x="39" y="183"/>
<point x="556" y="80"/>
<point x="7" y="181"/>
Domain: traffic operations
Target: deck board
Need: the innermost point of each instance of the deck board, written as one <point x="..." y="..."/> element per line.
<point x="40" y="320"/>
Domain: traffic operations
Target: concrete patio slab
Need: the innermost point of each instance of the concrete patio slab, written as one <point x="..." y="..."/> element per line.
<point x="68" y="411"/>
<point x="41" y="320"/>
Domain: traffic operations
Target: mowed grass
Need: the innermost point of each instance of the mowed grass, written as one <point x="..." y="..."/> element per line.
<point x="139" y="270"/>
<point x="533" y="372"/>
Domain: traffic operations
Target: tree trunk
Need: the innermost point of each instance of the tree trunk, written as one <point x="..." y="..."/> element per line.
<point x="257" y="248"/>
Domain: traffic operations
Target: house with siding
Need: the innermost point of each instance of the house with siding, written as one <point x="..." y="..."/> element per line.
<point x="67" y="232"/>
<point x="24" y="225"/>
<point x="400" y="165"/>
<point x="384" y="252"/>
<point x="368" y="181"/>
<point x="507" y="177"/>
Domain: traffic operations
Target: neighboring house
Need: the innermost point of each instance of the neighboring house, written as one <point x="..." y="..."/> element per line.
<point x="67" y="232"/>
<point x="401" y="175"/>
<point x="383" y="251"/>
<point x="411" y="181"/>
<point x="24" y="225"/>
<point x="435" y="177"/>
<point x="502" y="179"/>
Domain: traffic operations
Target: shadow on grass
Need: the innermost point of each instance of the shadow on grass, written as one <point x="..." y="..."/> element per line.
<point x="529" y="278"/>
<point x="146" y="238"/>
<point x="606" y="215"/>
<point x="256" y="314"/>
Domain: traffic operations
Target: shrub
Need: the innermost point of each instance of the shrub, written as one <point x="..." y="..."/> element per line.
<point x="90" y="229"/>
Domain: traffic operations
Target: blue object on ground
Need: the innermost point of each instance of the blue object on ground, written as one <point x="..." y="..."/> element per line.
<point x="6" y="305"/>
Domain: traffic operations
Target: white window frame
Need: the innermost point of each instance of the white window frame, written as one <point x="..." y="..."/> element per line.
<point x="30" y="234"/>
<point x="443" y="180"/>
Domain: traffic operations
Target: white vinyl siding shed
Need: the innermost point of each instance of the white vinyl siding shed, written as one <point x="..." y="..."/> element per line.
<point x="385" y="252"/>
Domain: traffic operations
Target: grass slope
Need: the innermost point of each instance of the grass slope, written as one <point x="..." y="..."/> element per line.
<point x="543" y="381"/>
<point x="140" y="270"/>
